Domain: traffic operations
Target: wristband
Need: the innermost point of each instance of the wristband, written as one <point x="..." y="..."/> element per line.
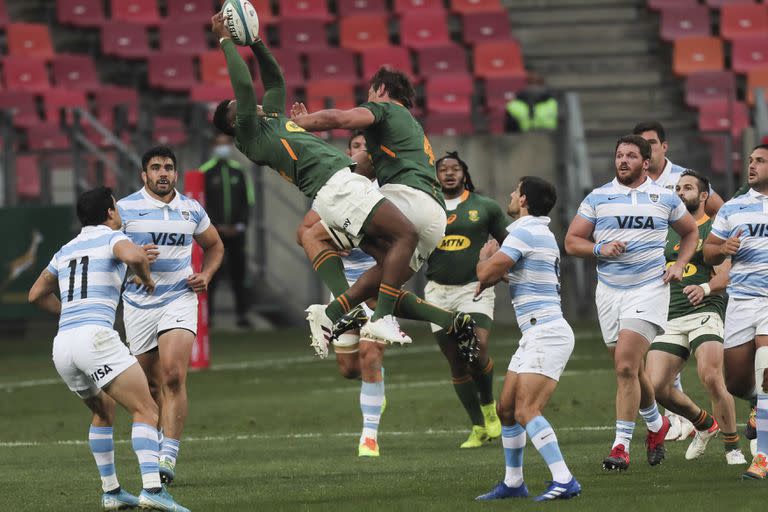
<point x="222" y="39"/>
<point x="707" y="289"/>
<point x="596" y="248"/>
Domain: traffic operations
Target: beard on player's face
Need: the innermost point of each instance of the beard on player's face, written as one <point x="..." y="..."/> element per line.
<point x="626" y="174"/>
<point x="691" y="203"/>
<point x="162" y="186"/>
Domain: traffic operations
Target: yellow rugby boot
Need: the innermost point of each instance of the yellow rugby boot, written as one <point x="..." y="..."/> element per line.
<point x="492" y="422"/>
<point x="477" y="438"/>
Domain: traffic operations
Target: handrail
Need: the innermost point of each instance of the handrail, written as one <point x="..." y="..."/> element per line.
<point x="106" y="133"/>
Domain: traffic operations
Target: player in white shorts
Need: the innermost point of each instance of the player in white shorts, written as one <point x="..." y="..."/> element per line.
<point x="666" y="174"/>
<point x="531" y="258"/>
<point x="89" y="356"/>
<point x="740" y="231"/>
<point x="161" y="327"/>
<point x="628" y="220"/>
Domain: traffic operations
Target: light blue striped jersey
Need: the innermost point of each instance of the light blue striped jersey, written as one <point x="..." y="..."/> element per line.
<point x="749" y="271"/>
<point x="356" y="264"/>
<point x="90" y="277"/>
<point x="534" y="280"/>
<point x="171" y="227"/>
<point x="639" y="217"/>
<point x="671" y="175"/>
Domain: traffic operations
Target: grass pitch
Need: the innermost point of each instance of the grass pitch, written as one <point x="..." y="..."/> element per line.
<point x="272" y="428"/>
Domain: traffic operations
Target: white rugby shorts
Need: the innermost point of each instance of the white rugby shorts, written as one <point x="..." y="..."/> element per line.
<point x="460" y="297"/>
<point x="649" y="303"/>
<point x="89" y="357"/>
<point x="142" y="325"/>
<point x="745" y="319"/>
<point x="544" y="349"/>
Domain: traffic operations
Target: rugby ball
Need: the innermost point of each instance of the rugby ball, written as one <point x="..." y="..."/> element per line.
<point x="242" y="21"/>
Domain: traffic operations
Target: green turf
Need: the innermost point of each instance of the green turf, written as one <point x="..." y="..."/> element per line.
<point x="271" y="428"/>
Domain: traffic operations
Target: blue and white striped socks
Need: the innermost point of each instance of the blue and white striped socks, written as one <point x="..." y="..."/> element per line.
<point x="544" y="439"/>
<point x="371" y="400"/>
<point x="103" y="450"/>
<point x="169" y="449"/>
<point x="513" y="440"/>
<point x="762" y="423"/>
<point x="624" y="431"/>
<point x="652" y="417"/>
<point x="144" y="439"/>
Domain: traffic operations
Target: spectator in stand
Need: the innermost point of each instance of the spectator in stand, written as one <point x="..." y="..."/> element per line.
<point x="534" y="108"/>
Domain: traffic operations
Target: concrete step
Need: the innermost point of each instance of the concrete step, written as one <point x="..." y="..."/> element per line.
<point x="604" y="64"/>
<point x="569" y="16"/>
<point x="604" y="80"/>
<point x="617" y="126"/>
<point x="559" y="4"/>
<point x="661" y="95"/>
<point x="605" y="32"/>
<point x="588" y="48"/>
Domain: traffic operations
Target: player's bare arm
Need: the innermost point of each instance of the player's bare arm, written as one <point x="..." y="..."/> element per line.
<point x="137" y="260"/>
<point x="689" y="239"/>
<point x="578" y="241"/>
<point x="213" y="254"/>
<point x="713" y="204"/>
<point x="492" y="267"/>
<point x="716" y="250"/>
<point x="718" y="283"/>
<point x="357" y="118"/>
<point x="43" y="293"/>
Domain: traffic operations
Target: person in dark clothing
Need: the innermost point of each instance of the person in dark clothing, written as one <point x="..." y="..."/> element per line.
<point x="228" y="200"/>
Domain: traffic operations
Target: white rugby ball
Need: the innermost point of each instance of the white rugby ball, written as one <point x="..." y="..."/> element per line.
<point x="242" y="21"/>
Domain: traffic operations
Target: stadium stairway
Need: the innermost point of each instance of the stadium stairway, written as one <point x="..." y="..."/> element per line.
<point x="609" y="52"/>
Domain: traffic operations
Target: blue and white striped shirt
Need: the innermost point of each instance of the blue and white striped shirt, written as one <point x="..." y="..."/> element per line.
<point x="671" y="175"/>
<point x="90" y="277"/>
<point x="534" y="280"/>
<point x="171" y="227"/>
<point x="356" y="264"/>
<point x="639" y="217"/>
<point x="749" y="271"/>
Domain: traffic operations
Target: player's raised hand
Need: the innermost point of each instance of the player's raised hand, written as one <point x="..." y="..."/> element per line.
<point x="673" y="273"/>
<point x="151" y="251"/>
<point x="612" y="249"/>
<point x="298" y="109"/>
<point x="695" y="294"/>
<point x="732" y="244"/>
<point x="198" y="282"/>
<point x="218" y="27"/>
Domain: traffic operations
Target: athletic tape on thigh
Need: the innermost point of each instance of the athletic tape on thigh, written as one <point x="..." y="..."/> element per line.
<point x="761" y="363"/>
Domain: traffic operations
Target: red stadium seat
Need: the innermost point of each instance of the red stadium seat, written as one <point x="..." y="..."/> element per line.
<point x="448" y="124"/>
<point x="740" y="21"/>
<point x="485" y="26"/>
<point x="697" y="53"/>
<point x="183" y="38"/>
<point x="720" y="161"/>
<point x="497" y="59"/>
<point x="316" y="10"/>
<point x="395" y="57"/>
<point x="332" y="64"/>
<point x="47" y="136"/>
<point x="322" y="94"/>
<point x="355" y="7"/>
<point x="213" y="68"/>
<point x="192" y="11"/>
<point x="169" y="131"/>
<point x="266" y="14"/>
<point x="75" y="71"/>
<point x="81" y="13"/>
<point x="660" y="5"/>
<point x="450" y="93"/>
<point x="22" y="107"/>
<point x="28" y="184"/>
<point x="472" y="6"/>
<point x="757" y="79"/>
<point x="57" y="99"/>
<point x="722" y="116"/>
<point x="109" y="97"/>
<point x="4" y="19"/>
<point x="29" y="40"/>
<point x="424" y="29"/>
<point x="721" y="3"/>
<point x="171" y="72"/>
<point x="749" y="54"/>
<point x="124" y="40"/>
<point x="142" y="12"/>
<point x="360" y="32"/>
<point x="211" y="93"/>
<point x="300" y="35"/>
<point x="707" y="86"/>
<point x="25" y="74"/>
<point x="441" y="60"/>
<point x="411" y="6"/>
<point x="290" y="63"/>
<point x="685" y="21"/>
<point x="500" y="91"/>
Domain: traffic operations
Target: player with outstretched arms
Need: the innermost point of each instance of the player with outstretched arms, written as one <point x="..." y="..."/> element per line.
<point x="530" y="258"/>
<point x="740" y="231"/>
<point x="88" y="273"/>
<point x="624" y="225"/>
<point x="161" y="328"/>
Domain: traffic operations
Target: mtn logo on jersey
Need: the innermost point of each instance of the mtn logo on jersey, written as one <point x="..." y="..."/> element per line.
<point x="635" y="222"/>
<point x="454" y="243"/>
<point x="757" y="229"/>
<point x="168" y="238"/>
<point x="100" y="373"/>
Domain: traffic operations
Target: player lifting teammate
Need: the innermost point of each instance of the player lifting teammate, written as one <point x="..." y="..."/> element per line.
<point x="628" y="220"/>
<point x="452" y="282"/>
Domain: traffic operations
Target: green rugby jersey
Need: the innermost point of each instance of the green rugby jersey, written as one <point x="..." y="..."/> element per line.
<point x="469" y="225"/>
<point x="696" y="272"/>
<point x="400" y="151"/>
<point x="274" y="140"/>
